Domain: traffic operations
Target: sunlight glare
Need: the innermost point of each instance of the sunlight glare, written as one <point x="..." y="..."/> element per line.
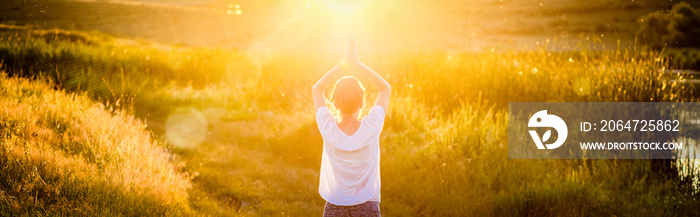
<point x="344" y="7"/>
<point x="258" y="55"/>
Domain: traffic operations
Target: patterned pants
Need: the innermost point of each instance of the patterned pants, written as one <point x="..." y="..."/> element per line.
<point x="367" y="209"/>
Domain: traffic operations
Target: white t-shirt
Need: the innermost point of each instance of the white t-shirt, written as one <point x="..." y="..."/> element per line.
<point x="350" y="163"/>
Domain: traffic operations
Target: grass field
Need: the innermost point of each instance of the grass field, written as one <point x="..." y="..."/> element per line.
<point x="443" y="147"/>
<point x="131" y="127"/>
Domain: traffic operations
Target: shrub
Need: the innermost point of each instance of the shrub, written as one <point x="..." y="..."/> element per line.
<point x="676" y="31"/>
<point x="678" y="28"/>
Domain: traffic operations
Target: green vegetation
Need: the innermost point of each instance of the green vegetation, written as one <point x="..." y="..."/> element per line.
<point x="444" y="145"/>
<point x="676" y="31"/>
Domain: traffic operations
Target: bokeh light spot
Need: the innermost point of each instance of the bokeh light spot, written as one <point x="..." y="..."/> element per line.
<point x="582" y="86"/>
<point x="186" y="127"/>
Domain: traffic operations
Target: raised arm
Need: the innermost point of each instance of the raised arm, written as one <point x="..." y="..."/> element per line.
<point x="374" y="77"/>
<point x="321" y="85"/>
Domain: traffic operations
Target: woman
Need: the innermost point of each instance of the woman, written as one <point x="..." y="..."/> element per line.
<point x="349" y="180"/>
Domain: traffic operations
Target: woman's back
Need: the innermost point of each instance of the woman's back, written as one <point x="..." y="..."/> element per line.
<point x="350" y="163"/>
<point x="350" y="126"/>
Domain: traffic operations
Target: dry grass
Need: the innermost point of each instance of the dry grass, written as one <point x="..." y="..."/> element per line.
<point x="63" y="154"/>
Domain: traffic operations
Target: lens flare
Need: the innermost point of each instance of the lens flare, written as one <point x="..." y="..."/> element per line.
<point x="186" y="127"/>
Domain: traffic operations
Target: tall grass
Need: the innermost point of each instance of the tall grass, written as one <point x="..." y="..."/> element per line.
<point x="62" y="154"/>
<point x="444" y="145"/>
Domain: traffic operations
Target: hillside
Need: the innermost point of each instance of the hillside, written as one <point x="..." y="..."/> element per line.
<point x="64" y="154"/>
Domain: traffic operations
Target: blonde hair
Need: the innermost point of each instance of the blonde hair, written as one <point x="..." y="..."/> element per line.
<point x="348" y="95"/>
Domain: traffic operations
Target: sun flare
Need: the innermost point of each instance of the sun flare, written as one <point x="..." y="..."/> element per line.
<point x="344" y="7"/>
